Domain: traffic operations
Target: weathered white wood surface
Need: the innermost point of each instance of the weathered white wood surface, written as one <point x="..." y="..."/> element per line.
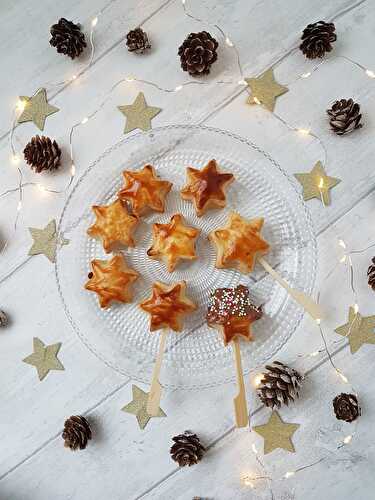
<point x="124" y="462"/>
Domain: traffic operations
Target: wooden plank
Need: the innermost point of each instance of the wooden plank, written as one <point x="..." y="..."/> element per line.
<point x="27" y="57"/>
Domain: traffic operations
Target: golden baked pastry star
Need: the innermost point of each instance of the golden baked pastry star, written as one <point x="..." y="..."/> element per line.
<point x="206" y="187"/>
<point x="239" y="243"/>
<point x="167" y="306"/>
<point x="144" y="190"/>
<point x="173" y="241"/>
<point x="114" y="225"/>
<point x="111" y="280"/>
<point x="232" y="313"/>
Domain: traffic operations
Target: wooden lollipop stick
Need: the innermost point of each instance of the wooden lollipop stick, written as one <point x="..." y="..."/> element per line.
<point x="154" y="396"/>
<point x="240" y="405"/>
<point x="304" y="300"/>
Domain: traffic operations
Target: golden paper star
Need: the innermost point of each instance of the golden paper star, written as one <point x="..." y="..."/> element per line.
<point x="46" y="241"/>
<point x="138" y="114"/>
<point x="44" y="358"/>
<point x="265" y="89"/>
<point x="138" y="407"/>
<point x="316" y="184"/>
<point x="359" y="330"/>
<point x="277" y="434"/>
<point x="36" y="109"/>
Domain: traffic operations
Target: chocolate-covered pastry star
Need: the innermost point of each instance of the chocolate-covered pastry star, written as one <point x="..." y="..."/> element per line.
<point x="144" y="190"/>
<point x="167" y="306"/>
<point x="206" y="187"/>
<point x="231" y="312"/>
<point x="173" y="241"/>
<point x="239" y="243"/>
<point x="111" y="280"/>
<point x="113" y="225"/>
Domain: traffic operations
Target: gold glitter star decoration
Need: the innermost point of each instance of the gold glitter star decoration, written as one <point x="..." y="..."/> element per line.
<point x="316" y="184"/>
<point x="45" y="241"/>
<point x="359" y="330"/>
<point x="36" y="109"/>
<point x="265" y="89"/>
<point x="138" y="407"/>
<point x="277" y="434"/>
<point x="138" y="115"/>
<point x="44" y="358"/>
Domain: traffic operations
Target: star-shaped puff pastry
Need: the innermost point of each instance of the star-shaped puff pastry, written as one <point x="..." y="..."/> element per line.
<point x="206" y="187"/>
<point x="167" y="305"/>
<point x="173" y="241"/>
<point x="111" y="279"/>
<point x="144" y="190"/>
<point x="114" y="226"/>
<point x="239" y="243"/>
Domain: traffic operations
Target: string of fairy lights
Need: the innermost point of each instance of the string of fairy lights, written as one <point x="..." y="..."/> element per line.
<point x="346" y="258"/>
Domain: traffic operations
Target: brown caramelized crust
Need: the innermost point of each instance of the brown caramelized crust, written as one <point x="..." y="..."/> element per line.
<point x="231" y="312"/>
<point x="113" y="225"/>
<point x="173" y="241"/>
<point x="111" y="280"/>
<point x="167" y="306"/>
<point x="144" y="190"/>
<point x="239" y="243"/>
<point x="206" y="187"/>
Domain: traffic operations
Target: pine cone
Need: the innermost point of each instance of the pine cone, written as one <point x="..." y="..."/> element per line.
<point x="76" y="433"/>
<point x="197" y="53"/>
<point x="317" y="38"/>
<point x="42" y="154"/>
<point x="371" y="274"/>
<point x="187" y="449"/>
<point x="137" y="41"/>
<point x="346" y="407"/>
<point x="344" y="116"/>
<point x="68" y="38"/>
<point x="3" y="319"/>
<point x="279" y="385"/>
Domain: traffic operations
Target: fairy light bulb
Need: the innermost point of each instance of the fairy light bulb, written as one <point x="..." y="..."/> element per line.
<point x="347" y="439"/>
<point x="85" y="120"/>
<point x="318" y="321"/>
<point x="342" y="243"/>
<point x="289" y="474"/>
<point x="303" y="131"/>
<point x="254" y="448"/>
<point x="74" y="77"/>
<point x="179" y="87"/>
<point x="94" y="22"/>
<point x="356" y="308"/>
<point x="258" y="379"/>
<point x="15" y="159"/>
<point x="242" y="82"/>
<point x="343" y="259"/>
<point x="342" y="376"/>
<point x="370" y="73"/>
<point x="306" y="75"/>
<point x="73" y="170"/>
<point x="130" y="79"/>
<point x="228" y="41"/>
<point x="314" y="354"/>
<point x="19" y="206"/>
<point x="321" y="183"/>
<point x="248" y="482"/>
<point x="256" y="100"/>
<point x="21" y="104"/>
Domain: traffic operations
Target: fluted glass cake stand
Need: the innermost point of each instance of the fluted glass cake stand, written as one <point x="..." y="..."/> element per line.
<point x="196" y="357"/>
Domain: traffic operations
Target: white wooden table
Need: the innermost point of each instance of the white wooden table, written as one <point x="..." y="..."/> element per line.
<point x="122" y="461"/>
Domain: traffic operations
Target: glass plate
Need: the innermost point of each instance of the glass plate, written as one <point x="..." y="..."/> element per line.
<point x="120" y="336"/>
